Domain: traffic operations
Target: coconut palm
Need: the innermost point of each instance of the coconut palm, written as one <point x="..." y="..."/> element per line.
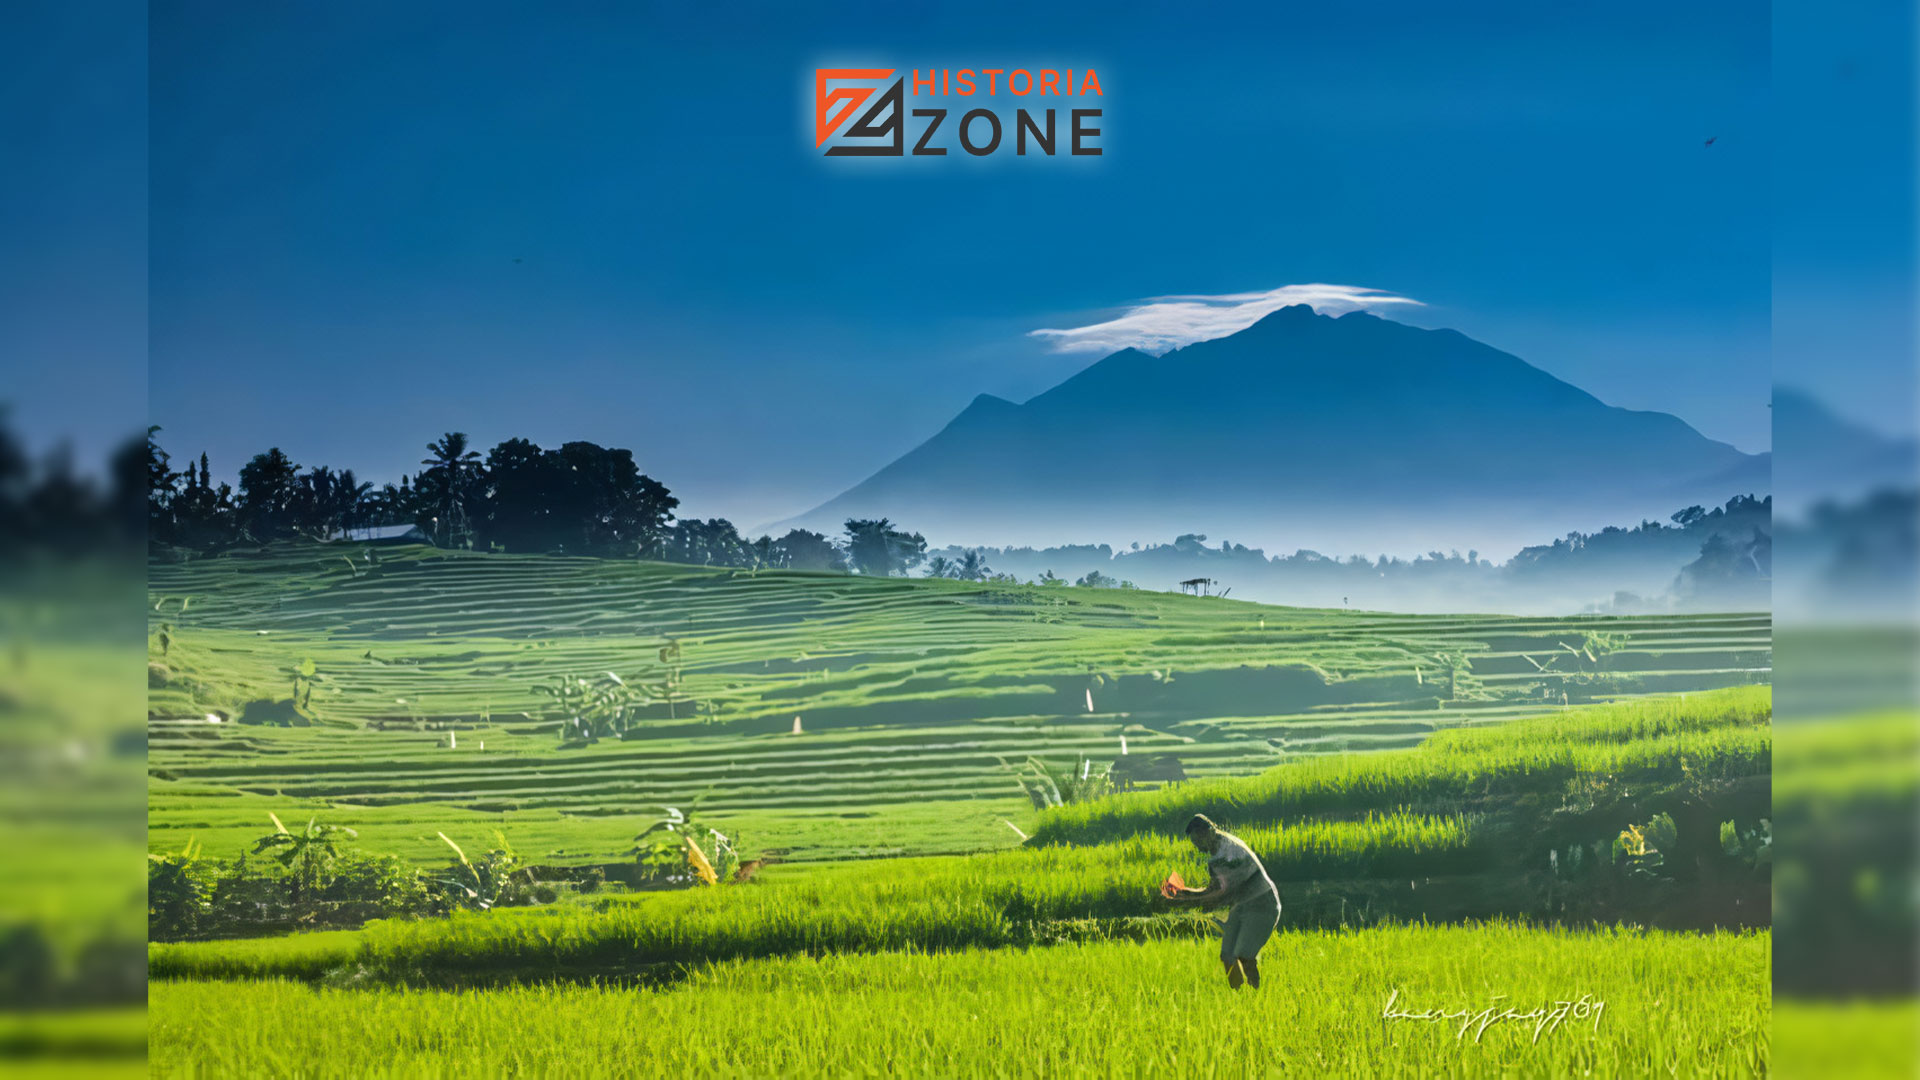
<point x="450" y="476"/>
<point x="329" y="502"/>
<point x="972" y="567"/>
<point x="351" y="497"/>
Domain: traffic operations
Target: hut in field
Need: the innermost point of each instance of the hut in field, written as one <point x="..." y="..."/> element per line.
<point x="1198" y="586"/>
<point x="381" y="534"/>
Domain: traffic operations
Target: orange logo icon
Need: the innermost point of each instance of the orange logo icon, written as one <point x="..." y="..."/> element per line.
<point x="827" y="115"/>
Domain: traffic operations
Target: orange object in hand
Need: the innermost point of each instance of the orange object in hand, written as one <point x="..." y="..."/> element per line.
<point x="1172" y="886"/>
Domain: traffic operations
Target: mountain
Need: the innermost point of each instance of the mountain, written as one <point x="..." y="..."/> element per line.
<point x="1344" y="434"/>
<point x="1829" y="457"/>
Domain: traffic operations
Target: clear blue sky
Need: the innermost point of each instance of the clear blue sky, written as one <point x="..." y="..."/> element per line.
<point x="73" y="222"/>
<point x="1844" y="228"/>
<point x="340" y="192"/>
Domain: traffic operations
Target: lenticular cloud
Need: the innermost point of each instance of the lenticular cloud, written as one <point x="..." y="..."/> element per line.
<point x="1168" y="322"/>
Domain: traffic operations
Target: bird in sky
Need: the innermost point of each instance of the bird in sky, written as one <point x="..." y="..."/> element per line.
<point x="1710" y="142"/>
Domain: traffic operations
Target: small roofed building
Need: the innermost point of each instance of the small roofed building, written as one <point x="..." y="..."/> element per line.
<point x="381" y="534"/>
<point x="1198" y="586"/>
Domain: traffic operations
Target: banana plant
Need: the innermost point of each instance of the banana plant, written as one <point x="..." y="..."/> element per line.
<point x="602" y="707"/>
<point x="496" y="880"/>
<point x="677" y="844"/>
<point x="307" y="855"/>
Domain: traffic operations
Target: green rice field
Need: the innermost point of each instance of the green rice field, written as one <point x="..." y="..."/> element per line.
<point x="915" y="700"/>
<point x="1670" y="1004"/>
<point x="72" y="764"/>
<point x="1390" y="771"/>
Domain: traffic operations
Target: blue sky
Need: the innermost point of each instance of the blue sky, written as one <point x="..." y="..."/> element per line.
<point x="1844" y="227"/>
<point x="73" y="215"/>
<point x="340" y="192"/>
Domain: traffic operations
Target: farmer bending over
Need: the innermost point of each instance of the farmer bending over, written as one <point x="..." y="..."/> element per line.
<point x="1238" y="879"/>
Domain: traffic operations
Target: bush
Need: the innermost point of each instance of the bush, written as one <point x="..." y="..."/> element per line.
<point x="179" y="886"/>
<point x="190" y="898"/>
<point x="374" y="887"/>
<point x="495" y="880"/>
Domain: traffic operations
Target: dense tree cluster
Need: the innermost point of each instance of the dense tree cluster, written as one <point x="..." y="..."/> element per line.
<point x="49" y="504"/>
<point x="578" y="499"/>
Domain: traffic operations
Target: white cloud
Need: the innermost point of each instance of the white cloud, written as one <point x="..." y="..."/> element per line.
<point x="1168" y="322"/>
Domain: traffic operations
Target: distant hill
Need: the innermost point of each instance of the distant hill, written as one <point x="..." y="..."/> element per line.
<point x="1829" y="457"/>
<point x="1690" y="562"/>
<point x="1303" y="430"/>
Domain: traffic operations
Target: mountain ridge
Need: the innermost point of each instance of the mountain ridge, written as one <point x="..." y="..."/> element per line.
<point x="1299" y="426"/>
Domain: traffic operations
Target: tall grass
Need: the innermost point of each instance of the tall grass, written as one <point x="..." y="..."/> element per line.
<point x="994" y="900"/>
<point x="292" y="956"/>
<point x="989" y="900"/>
<point x="1711" y="735"/>
<point x="1675" y="1004"/>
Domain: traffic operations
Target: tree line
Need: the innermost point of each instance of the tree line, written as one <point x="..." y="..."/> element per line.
<point x="1719" y="556"/>
<point x="49" y="504"/>
<point x="577" y="499"/>
<point x="584" y="499"/>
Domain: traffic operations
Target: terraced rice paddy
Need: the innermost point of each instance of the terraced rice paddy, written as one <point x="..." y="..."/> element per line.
<point x="915" y="699"/>
<point x="1317" y="824"/>
<point x="1723" y="734"/>
<point x="1058" y="958"/>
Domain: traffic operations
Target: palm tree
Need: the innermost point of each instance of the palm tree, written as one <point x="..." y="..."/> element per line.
<point x="941" y="567"/>
<point x="328" y="502"/>
<point x="972" y="567"/>
<point x="451" y="472"/>
<point x="351" y="500"/>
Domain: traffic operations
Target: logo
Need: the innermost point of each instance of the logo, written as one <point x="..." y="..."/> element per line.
<point x="880" y="112"/>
